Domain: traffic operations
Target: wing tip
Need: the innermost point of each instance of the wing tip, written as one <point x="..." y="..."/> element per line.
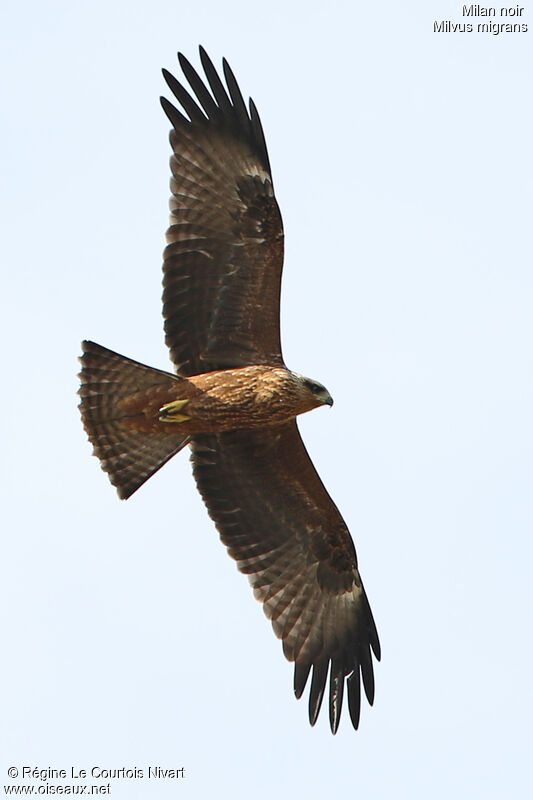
<point x="336" y="692"/>
<point x="362" y="672"/>
<point x="301" y="674"/>
<point x="223" y="105"/>
<point x="354" y="697"/>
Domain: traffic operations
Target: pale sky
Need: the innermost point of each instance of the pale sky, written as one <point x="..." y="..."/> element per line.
<point x="402" y="165"/>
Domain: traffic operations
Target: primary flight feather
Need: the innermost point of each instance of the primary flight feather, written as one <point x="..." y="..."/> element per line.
<point x="232" y="399"/>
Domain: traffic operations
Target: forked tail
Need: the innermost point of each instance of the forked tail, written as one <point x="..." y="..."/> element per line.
<point x="129" y="457"/>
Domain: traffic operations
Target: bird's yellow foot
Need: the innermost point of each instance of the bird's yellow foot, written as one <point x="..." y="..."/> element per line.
<point x="170" y="412"/>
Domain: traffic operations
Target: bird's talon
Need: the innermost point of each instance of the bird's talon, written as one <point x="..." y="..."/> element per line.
<point x="170" y="412"/>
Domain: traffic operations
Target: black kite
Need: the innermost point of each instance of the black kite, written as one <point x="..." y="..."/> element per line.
<point x="232" y="400"/>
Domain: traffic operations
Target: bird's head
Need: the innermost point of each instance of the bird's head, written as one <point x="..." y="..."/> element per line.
<point x="319" y="393"/>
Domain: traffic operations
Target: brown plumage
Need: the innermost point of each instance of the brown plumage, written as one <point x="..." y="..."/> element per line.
<point x="233" y="400"/>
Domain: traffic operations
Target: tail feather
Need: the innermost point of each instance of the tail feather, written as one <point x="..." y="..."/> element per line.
<point x="129" y="457"/>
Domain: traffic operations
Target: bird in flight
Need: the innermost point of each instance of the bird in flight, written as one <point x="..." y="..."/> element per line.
<point x="233" y="400"/>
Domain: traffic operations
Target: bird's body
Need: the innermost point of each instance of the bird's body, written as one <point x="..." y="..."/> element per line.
<point x="214" y="402"/>
<point x="233" y="400"/>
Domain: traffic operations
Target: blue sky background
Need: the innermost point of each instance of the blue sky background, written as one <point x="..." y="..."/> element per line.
<point x="402" y="164"/>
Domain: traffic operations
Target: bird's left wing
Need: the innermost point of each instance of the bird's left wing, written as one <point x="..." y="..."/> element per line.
<point x="281" y="526"/>
<point x="223" y="262"/>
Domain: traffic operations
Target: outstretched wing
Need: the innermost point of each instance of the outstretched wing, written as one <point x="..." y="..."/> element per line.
<point x="279" y="523"/>
<point x="222" y="265"/>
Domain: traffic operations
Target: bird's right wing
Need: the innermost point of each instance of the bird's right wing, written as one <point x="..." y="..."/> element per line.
<point x="223" y="261"/>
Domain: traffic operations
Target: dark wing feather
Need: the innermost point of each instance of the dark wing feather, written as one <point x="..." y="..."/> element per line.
<point x="222" y="265"/>
<point x="279" y="523"/>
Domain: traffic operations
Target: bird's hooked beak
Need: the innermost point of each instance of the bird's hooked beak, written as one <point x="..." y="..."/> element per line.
<point x="328" y="401"/>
